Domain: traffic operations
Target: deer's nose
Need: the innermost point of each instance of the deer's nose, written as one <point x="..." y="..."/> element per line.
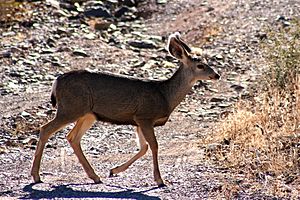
<point x="217" y="76"/>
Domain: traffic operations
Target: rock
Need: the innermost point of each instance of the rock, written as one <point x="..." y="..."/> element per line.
<point x="3" y="150"/>
<point x="161" y="1"/>
<point x="62" y="31"/>
<point x="53" y="3"/>
<point x="145" y="44"/>
<point x="90" y="36"/>
<point x="286" y="23"/>
<point x="68" y="6"/>
<point x="51" y="42"/>
<point x="29" y="62"/>
<point x="237" y="88"/>
<point x="224" y="105"/>
<point x="57" y="64"/>
<point x="214" y="146"/>
<point x="25" y="114"/>
<point x="217" y="99"/>
<point x="196" y="50"/>
<point x="8" y="34"/>
<point x="219" y="57"/>
<point x="47" y="51"/>
<point x="80" y="53"/>
<point x="113" y="1"/>
<point x="280" y="18"/>
<point x="238" y="40"/>
<point x="261" y="35"/>
<point x="121" y="11"/>
<point x="5" y="54"/>
<point x="98" y="12"/>
<point x="209" y="9"/>
<point x="29" y="141"/>
<point x="129" y="3"/>
<point x="99" y="24"/>
<point x="15" y="74"/>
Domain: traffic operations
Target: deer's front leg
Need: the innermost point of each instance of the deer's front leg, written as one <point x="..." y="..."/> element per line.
<point x="143" y="149"/>
<point x="148" y="132"/>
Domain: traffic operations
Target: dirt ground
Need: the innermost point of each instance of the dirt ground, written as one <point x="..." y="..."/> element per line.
<point x="228" y="32"/>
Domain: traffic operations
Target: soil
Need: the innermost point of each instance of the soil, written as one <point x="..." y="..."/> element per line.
<point x="42" y="43"/>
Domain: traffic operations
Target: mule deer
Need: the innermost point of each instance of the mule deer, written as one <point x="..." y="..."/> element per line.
<point x="85" y="97"/>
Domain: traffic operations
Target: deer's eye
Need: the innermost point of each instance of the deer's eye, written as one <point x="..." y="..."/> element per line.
<point x="200" y="66"/>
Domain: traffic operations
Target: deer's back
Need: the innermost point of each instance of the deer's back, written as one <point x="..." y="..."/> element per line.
<point x="111" y="98"/>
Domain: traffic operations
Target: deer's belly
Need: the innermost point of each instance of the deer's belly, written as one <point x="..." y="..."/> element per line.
<point x="161" y="121"/>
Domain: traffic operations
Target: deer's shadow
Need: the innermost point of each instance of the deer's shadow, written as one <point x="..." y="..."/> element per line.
<point x="66" y="191"/>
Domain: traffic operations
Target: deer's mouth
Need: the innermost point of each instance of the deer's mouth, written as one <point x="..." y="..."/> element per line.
<point x="215" y="77"/>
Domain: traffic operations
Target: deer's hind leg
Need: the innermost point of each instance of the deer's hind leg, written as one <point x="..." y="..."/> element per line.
<point x="74" y="137"/>
<point x="59" y="122"/>
<point x="143" y="149"/>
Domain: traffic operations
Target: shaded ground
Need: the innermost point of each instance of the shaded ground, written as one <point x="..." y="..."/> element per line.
<point x="57" y="41"/>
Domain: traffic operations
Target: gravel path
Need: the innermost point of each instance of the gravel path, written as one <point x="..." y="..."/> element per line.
<point x="53" y="41"/>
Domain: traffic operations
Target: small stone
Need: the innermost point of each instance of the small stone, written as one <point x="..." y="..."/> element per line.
<point x="219" y="56"/>
<point x="161" y="1"/>
<point x="90" y="36"/>
<point x="209" y="9"/>
<point x="98" y="12"/>
<point x="232" y="51"/>
<point x="214" y="146"/>
<point x="121" y="11"/>
<point x="99" y="24"/>
<point x="29" y="141"/>
<point x="224" y="105"/>
<point x="145" y="44"/>
<point x="238" y="40"/>
<point x="61" y="31"/>
<point x="28" y="62"/>
<point x="237" y="88"/>
<point x="47" y="51"/>
<point x="129" y="3"/>
<point x="51" y="42"/>
<point x="68" y="6"/>
<point x="217" y="99"/>
<point x="8" y="34"/>
<point x="80" y="53"/>
<point x="261" y="35"/>
<point x="53" y="3"/>
<point x="5" y="54"/>
<point x="286" y="23"/>
<point x="25" y="114"/>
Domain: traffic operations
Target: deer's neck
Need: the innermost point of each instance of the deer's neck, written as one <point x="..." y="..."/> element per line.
<point x="176" y="88"/>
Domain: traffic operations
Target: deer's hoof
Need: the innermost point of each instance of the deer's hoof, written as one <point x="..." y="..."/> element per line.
<point x="111" y="173"/>
<point x="97" y="180"/>
<point x="36" y="179"/>
<point x="161" y="185"/>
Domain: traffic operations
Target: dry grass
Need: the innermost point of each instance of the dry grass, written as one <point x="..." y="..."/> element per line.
<point x="261" y="138"/>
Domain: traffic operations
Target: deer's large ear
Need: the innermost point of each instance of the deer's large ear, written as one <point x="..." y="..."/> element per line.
<point x="176" y="47"/>
<point x="182" y="43"/>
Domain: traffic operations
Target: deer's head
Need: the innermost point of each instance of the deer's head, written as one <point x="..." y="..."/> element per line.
<point x="197" y="65"/>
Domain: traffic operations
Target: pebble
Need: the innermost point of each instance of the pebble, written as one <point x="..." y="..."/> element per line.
<point x="219" y="56"/>
<point x="145" y="44"/>
<point x="5" y="54"/>
<point x="217" y="99"/>
<point x="121" y="11"/>
<point x="161" y="1"/>
<point x="25" y="114"/>
<point x="98" y="12"/>
<point x="79" y="52"/>
<point x="237" y="88"/>
<point x="130" y="3"/>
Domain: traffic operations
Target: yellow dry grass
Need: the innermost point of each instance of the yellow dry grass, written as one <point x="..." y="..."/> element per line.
<point x="261" y="137"/>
